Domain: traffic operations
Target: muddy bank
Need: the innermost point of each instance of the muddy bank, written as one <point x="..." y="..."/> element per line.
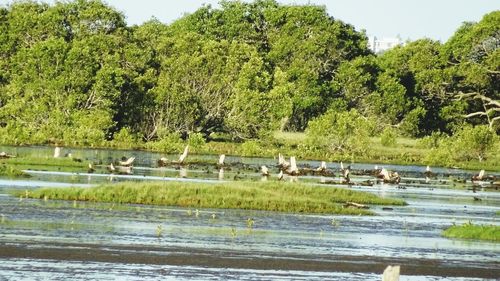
<point x="243" y="260"/>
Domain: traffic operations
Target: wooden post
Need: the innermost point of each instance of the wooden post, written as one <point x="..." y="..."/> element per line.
<point x="391" y="273"/>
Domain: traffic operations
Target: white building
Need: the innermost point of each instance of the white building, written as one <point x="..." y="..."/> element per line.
<point x="378" y="45"/>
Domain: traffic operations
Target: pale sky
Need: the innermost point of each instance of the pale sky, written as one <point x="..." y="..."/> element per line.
<point x="410" y="19"/>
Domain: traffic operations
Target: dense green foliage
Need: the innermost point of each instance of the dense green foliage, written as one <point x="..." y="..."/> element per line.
<point x="271" y="196"/>
<point x="74" y="73"/>
<point x="472" y="231"/>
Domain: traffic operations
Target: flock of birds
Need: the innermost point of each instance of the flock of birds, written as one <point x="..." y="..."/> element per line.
<point x="289" y="168"/>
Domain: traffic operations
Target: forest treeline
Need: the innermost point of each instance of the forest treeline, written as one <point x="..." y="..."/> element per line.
<point x="74" y="73"/>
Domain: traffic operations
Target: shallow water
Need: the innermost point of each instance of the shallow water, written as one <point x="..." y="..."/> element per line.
<point x="278" y="246"/>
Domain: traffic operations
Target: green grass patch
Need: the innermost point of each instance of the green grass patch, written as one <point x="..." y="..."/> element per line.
<point x="269" y="196"/>
<point x="45" y="161"/>
<point x="11" y="172"/>
<point x="472" y="231"/>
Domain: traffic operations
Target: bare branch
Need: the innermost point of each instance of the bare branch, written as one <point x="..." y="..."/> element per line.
<point x="480" y="113"/>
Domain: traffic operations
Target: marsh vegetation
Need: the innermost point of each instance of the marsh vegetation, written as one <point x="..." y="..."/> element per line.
<point x="469" y="230"/>
<point x="270" y="196"/>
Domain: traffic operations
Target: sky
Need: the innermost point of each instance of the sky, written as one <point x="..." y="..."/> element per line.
<point x="409" y="19"/>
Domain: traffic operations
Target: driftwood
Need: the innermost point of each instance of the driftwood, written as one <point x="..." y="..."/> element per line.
<point x="4" y="155"/>
<point x="162" y="162"/>
<point x="282" y="163"/>
<point x="121" y="170"/>
<point x="293" y="170"/>
<point x="389" y="177"/>
<point x="356" y="205"/>
<point x="391" y="273"/>
<point x="221" y="160"/>
<point x="127" y="162"/>
<point x="57" y="152"/>
<point x="90" y="169"/>
<point x="184" y="155"/>
<point x="264" y="171"/>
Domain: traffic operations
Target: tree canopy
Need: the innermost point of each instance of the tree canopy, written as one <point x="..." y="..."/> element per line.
<point x="75" y="73"/>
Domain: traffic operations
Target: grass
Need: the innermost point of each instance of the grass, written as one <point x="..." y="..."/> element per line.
<point x="44" y="161"/>
<point x="11" y="172"/>
<point x="472" y="231"/>
<point x="269" y="196"/>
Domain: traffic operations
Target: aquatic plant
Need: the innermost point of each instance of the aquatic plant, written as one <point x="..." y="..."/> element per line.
<point x="469" y="230"/>
<point x="250" y="222"/>
<point x="159" y="230"/>
<point x="270" y="196"/>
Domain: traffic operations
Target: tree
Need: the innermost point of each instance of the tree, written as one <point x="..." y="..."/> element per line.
<point x="473" y="54"/>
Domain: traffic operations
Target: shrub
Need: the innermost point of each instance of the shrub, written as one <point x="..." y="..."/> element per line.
<point x="388" y="137"/>
<point x="125" y="139"/>
<point x="196" y="141"/>
<point x="168" y="143"/>
<point x="250" y="148"/>
<point x="475" y="142"/>
<point x="344" y="132"/>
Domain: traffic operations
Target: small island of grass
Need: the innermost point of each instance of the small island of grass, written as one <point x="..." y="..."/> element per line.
<point x="472" y="231"/>
<point x="11" y="172"/>
<point x="267" y="196"/>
